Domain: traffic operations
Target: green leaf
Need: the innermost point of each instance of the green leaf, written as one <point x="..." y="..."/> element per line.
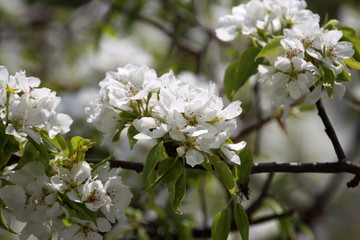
<point x="243" y="171"/>
<point x="43" y="152"/>
<point x="164" y="166"/>
<point x="95" y="166"/>
<point x="350" y="35"/>
<point x="272" y="46"/>
<point x="328" y="80"/>
<point x="239" y="72"/>
<point x="224" y="173"/>
<point x="128" y="116"/>
<point x="58" y="142"/>
<point x="330" y="24"/>
<point x="151" y="161"/>
<point x="30" y="154"/>
<point x="352" y="63"/>
<point x="221" y="225"/>
<point x="180" y="190"/>
<point x="172" y="171"/>
<point x="241" y="221"/>
<point x="8" y="145"/>
<point x="3" y="223"/>
<point x="80" y="208"/>
<point x="78" y="147"/>
<point x="344" y="76"/>
<point x="131" y="133"/>
<point x="287" y="229"/>
<point x="74" y="143"/>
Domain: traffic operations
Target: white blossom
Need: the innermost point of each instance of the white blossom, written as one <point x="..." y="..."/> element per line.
<point x="29" y="108"/>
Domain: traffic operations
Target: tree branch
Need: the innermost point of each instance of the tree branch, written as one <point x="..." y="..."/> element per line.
<point x="330" y="131"/>
<point x="344" y="166"/>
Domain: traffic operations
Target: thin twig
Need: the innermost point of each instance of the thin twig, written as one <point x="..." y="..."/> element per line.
<point x="251" y="128"/>
<point x="330" y="131"/>
<point x="257" y="203"/>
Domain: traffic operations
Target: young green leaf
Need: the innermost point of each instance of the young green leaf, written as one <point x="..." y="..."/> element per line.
<point x="328" y="80"/>
<point x="344" y="76"/>
<point x="221" y="225"/>
<point x="272" y="46"/>
<point x="8" y="146"/>
<point x="330" y="24"/>
<point x="3" y="223"/>
<point x="163" y="168"/>
<point x="81" y="209"/>
<point x="243" y="171"/>
<point x="131" y="133"/>
<point x="224" y="173"/>
<point x="239" y="72"/>
<point x="58" y="142"/>
<point x="151" y="161"/>
<point x="75" y="142"/>
<point x="95" y="166"/>
<point x="30" y="154"/>
<point x="172" y="171"/>
<point x="180" y="190"/>
<point x="352" y="63"/>
<point x="43" y="152"/>
<point x="241" y="221"/>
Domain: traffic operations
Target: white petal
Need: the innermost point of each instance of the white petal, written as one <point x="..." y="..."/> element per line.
<point x="231" y="155"/>
<point x="294" y="90"/>
<point x="237" y="146"/>
<point x="313" y="96"/>
<point x="339" y="90"/>
<point x="226" y="34"/>
<point x="103" y="224"/>
<point x="142" y="136"/>
<point x="197" y="133"/>
<point x="232" y="110"/>
<point x="283" y="64"/>
<point x="180" y="151"/>
<point x="145" y="123"/>
<point x="193" y="157"/>
<point x="73" y="196"/>
<point x="344" y="50"/>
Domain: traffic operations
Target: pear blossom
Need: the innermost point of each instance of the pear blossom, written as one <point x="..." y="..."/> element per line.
<point x="244" y="19"/>
<point x="293" y="80"/>
<point x="94" y="195"/>
<point x="121" y="92"/>
<point x="262" y="19"/>
<point x="192" y="116"/>
<point x="331" y="52"/>
<point x="86" y="230"/>
<point x="39" y="203"/>
<point x="26" y="109"/>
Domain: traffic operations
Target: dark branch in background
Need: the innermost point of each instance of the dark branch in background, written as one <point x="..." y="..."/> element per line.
<point x="264" y="193"/>
<point x="180" y="42"/>
<point x="251" y="128"/>
<point x="330" y="131"/>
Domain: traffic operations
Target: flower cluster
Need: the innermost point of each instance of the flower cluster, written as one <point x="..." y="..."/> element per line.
<point x="124" y="95"/>
<point x="75" y="202"/>
<point x="25" y="109"/>
<point x="175" y="110"/>
<point x="261" y="19"/>
<point x="311" y="57"/>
